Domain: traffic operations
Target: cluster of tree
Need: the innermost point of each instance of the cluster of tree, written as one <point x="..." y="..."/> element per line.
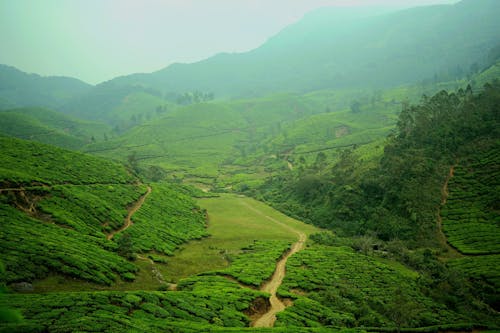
<point x="394" y="204"/>
<point x="194" y="97"/>
<point x="398" y="198"/>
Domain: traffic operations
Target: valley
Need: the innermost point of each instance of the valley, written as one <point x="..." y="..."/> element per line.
<point x="344" y="176"/>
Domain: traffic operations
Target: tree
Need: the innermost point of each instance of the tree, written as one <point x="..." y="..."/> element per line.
<point x="133" y="162"/>
<point x="126" y="247"/>
<point x="401" y="309"/>
<point x="355" y="106"/>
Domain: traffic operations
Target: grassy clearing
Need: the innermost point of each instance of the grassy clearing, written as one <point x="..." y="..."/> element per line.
<point x="233" y="225"/>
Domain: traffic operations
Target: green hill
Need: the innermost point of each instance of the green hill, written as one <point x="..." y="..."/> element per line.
<point x="51" y="127"/>
<point x="19" y="89"/>
<point x="67" y="206"/>
<point x="394" y="196"/>
<point x="345" y="48"/>
<point x="211" y="140"/>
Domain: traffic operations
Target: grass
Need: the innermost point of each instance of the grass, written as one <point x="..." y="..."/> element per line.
<point x="61" y="204"/>
<point x="232" y="226"/>
<point x="208" y="140"/>
<point x="68" y="205"/>
<point x="256" y="263"/>
<point x="480" y="267"/>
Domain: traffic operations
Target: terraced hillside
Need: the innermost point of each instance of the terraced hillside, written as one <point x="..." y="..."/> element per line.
<point x="238" y="143"/>
<point x="63" y="204"/>
<point x="471" y="219"/>
<point x="51" y="127"/>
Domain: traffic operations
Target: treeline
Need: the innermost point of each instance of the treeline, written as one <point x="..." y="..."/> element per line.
<point x="397" y="197"/>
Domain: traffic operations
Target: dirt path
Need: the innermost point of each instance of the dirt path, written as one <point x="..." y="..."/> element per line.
<point x="155" y="272"/>
<point x="452" y="252"/>
<point x="271" y="286"/>
<point x="131" y="211"/>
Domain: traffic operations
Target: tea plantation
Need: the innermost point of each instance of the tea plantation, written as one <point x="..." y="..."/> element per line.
<point x="471" y="220"/>
<point x="57" y="208"/>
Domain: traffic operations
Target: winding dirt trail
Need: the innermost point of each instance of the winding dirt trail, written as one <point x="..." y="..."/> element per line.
<point x="271" y="286"/>
<point x="452" y="252"/>
<point x="131" y="211"/>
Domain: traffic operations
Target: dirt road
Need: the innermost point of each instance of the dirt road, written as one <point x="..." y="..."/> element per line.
<point x="452" y="252"/>
<point x="131" y="211"/>
<point x="271" y="286"/>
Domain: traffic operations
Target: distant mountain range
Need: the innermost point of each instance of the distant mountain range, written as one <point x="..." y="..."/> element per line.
<point x="344" y="47"/>
<point x="19" y="89"/>
<point x="328" y="49"/>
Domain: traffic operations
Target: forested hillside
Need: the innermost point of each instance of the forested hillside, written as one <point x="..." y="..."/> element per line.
<point x="396" y="197"/>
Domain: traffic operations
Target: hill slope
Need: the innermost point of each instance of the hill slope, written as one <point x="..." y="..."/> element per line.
<point x="51" y="127"/>
<point x="64" y="205"/>
<point x="19" y="89"/>
<point x="337" y="47"/>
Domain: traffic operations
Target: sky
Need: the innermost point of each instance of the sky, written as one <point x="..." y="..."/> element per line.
<point x="97" y="40"/>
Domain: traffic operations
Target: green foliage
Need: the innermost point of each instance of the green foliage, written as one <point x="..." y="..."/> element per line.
<point x="257" y="262"/>
<point x="202" y="303"/>
<point x="470" y="217"/>
<point x="166" y="220"/>
<point x="395" y="196"/>
<point x="483" y="272"/>
<point x="346" y="288"/>
<point x="68" y="205"/>
<point x="47" y="248"/>
<point x="50" y="127"/>
<point x="27" y="162"/>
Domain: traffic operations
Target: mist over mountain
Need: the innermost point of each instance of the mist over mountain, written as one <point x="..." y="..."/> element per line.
<point x="344" y="47"/>
<point x="330" y="48"/>
<point x="19" y="89"/>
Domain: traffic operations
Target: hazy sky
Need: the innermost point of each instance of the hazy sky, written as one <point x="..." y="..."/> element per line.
<point x="96" y="40"/>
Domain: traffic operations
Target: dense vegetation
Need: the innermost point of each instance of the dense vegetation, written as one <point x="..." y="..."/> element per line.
<point x="200" y="305"/>
<point x="63" y="204"/>
<point x="347" y="288"/>
<point x="396" y="194"/>
<point x="470" y="217"/>
<point x="26" y="162"/>
<point x="256" y="263"/>
<point x="166" y="220"/>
